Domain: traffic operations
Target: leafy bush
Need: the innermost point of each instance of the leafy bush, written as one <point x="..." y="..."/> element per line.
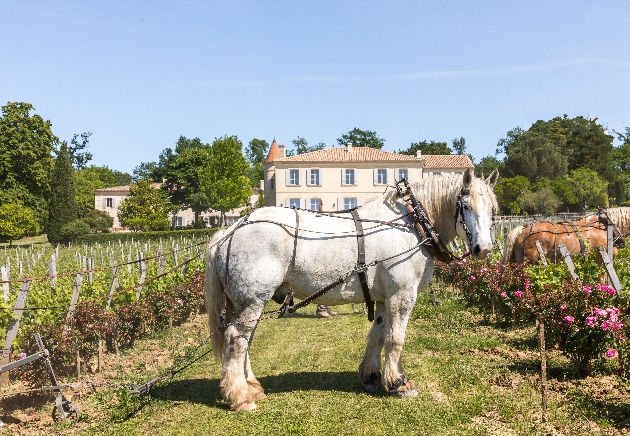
<point x="72" y="230"/>
<point x="98" y="220"/>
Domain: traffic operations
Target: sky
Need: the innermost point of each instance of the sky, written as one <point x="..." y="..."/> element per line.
<point x="140" y="74"/>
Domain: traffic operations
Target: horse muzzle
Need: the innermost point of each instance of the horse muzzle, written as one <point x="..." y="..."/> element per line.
<point x="481" y="252"/>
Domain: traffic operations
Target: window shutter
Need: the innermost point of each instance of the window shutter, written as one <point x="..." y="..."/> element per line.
<point x="307" y="203"/>
<point x="343" y="178"/>
<point x="375" y="175"/>
<point x="340" y="203"/>
<point x="308" y="177"/>
<point x="104" y="202"/>
<point x="286" y="202"/>
<point x="391" y="176"/>
<point x="286" y="177"/>
<point x="359" y="201"/>
<point x="321" y="177"/>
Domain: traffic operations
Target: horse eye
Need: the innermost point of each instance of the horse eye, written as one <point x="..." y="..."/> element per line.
<point x="466" y="207"/>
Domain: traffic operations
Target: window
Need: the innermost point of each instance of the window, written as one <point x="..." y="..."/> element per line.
<point x="349" y="203"/>
<point x="294" y="177"/>
<point x="294" y="203"/>
<point x="110" y="202"/>
<point x="273" y="181"/>
<point x="180" y="221"/>
<point x="315" y="204"/>
<point x="348" y="177"/>
<point x="381" y="177"/>
<point x="314" y="177"/>
<point x="403" y="174"/>
<point x="437" y="173"/>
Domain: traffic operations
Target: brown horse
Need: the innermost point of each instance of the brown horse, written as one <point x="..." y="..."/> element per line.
<point x="578" y="236"/>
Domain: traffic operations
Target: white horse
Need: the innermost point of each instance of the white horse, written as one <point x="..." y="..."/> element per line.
<point x="261" y="249"/>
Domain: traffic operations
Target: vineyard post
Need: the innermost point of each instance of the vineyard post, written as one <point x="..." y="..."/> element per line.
<point x="568" y="260"/>
<point x="76" y="289"/>
<point x="20" y="268"/>
<point x="541" y="253"/>
<point x="540" y="327"/>
<point x="52" y="270"/>
<point x="143" y="273"/>
<point x="162" y="262"/>
<point x="5" y="284"/>
<point x="90" y="261"/>
<point x="12" y="328"/>
<point x="175" y="253"/>
<point x="8" y="267"/>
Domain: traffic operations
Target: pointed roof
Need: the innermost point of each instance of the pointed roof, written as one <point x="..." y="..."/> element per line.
<point x="274" y="152"/>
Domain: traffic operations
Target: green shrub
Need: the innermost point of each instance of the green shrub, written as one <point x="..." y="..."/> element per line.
<point x="72" y="230"/>
<point x="98" y="220"/>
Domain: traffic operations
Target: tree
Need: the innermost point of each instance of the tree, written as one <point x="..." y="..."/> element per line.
<point x="80" y="159"/>
<point x="509" y="192"/>
<point x="87" y="179"/>
<point x="459" y="145"/>
<point x="542" y="201"/>
<point x="590" y="189"/>
<point x="62" y="207"/>
<point x="427" y="147"/>
<point x="225" y="182"/>
<point x="98" y="220"/>
<point x="621" y="166"/>
<point x="531" y="154"/>
<point x="301" y="146"/>
<point x="182" y="169"/>
<point x="256" y="153"/>
<point x="26" y="162"/>
<point x="17" y="221"/>
<point x="146" y="171"/>
<point x="488" y="164"/>
<point x="361" y="138"/>
<point x="72" y="230"/>
<point x="145" y="202"/>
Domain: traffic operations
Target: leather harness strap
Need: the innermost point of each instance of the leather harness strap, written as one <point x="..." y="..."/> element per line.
<point x="361" y="267"/>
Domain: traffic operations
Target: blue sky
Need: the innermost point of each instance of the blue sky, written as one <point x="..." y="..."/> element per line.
<point x="140" y="74"/>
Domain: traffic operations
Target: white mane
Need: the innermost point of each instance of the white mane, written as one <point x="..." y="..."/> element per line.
<point x="621" y="217"/>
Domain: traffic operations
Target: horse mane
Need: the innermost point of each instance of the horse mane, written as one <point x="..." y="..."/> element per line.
<point x="621" y="217"/>
<point x="427" y="192"/>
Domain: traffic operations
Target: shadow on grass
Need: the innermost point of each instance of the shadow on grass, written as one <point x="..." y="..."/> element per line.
<point x="206" y="391"/>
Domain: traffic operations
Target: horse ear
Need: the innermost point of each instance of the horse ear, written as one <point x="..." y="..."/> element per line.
<point x="468" y="177"/>
<point x="492" y="179"/>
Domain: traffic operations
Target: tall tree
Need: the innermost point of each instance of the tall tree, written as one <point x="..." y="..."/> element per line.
<point x="147" y="204"/>
<point x="225" y="183"/>
<point x="181" y="170"/>
<point x="427" y="147"/>
<point x="62" y="207"/>
<point x="78" y="157"/>
<point x="509" y="192"/>
<point x="361" y="138"/>
<point x="256" y="153"/>
<point x="145" y="171"/>
<point x="590" y="189"/>
<point x="459" y="145"/>
<point x="488" y="164"/>
<point x="26" y="162"/>
<point x="301" y="146"/>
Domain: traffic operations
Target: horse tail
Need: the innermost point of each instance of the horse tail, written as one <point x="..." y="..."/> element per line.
<point x="214" y="297"/>
<point x="508" y="250"/>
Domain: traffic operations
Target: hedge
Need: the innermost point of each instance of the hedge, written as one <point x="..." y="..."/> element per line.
<point x="103" y="238"/>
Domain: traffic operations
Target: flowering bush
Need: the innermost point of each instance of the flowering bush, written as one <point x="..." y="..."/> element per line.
<point x="585" y="319"/>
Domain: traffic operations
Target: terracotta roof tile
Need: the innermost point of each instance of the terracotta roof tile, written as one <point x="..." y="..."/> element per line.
<point x="341" y="154"/>
<point x="447" y="161"/>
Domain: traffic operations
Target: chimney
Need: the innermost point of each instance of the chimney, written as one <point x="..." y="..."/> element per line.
<point x="419" y="154"/>
<point x="283" y="151"/>
<point x="349" y="145"/>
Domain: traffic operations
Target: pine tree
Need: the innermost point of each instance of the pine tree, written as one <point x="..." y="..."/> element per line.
<point x="62" y="208"/>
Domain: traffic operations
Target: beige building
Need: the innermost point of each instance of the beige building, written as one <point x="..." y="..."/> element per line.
<point x="108" y="200"/>
<point x="341" y="178"/>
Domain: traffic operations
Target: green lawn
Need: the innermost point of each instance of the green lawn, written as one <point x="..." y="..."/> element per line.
<point x="473" y="379"/>
<point x="37" y="240"/>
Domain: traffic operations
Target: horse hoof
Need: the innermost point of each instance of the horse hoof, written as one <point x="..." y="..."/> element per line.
<point x="405" y="393"/>
<point x="245" y="406"/>
<point x="403" y="388"/>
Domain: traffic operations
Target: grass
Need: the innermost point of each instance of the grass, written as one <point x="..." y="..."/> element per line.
<point x="473" y="379"/>
<point x="36" y="240"/>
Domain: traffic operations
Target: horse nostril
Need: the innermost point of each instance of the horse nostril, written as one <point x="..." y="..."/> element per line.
<point x="476" y="250"/>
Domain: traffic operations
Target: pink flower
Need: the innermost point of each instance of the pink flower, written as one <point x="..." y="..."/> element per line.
<point x="591" y="321"/>
<point x="611" y="353"/>
<point x="518" y="293"/>
<point x="527" y="285"/>
<point x="587" y="289"/>
<point x="569" y="318"/>
<point x="472" y="277"/>
<point x="503" y="295"/>
<point x="21" y="356"/>
<point x="483" y="269"/>
<point x="179" y="301"/>
<point x="563" y="307"/>
<point x="611" y="291"/>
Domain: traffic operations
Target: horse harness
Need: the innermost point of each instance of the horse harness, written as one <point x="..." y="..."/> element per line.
<point x="427" y="234"/>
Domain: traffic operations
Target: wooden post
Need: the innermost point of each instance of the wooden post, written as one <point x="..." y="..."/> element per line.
<point x="610" y="270"/>
<point x="129" y="262"/>
<point x="76" y="289"/>
<point x="175" y="252"/>
<point x="143" y="273"/>
<point x="12" y="329"/>
<point x="5" y="284"/>
<point x="568" y="260"/>
<point x="162" y="262"/>
<point x="540" y="327"/>
<point x="52" y="270"/>
<point x="541" y="253"/>
<point x="113" y="287"/>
